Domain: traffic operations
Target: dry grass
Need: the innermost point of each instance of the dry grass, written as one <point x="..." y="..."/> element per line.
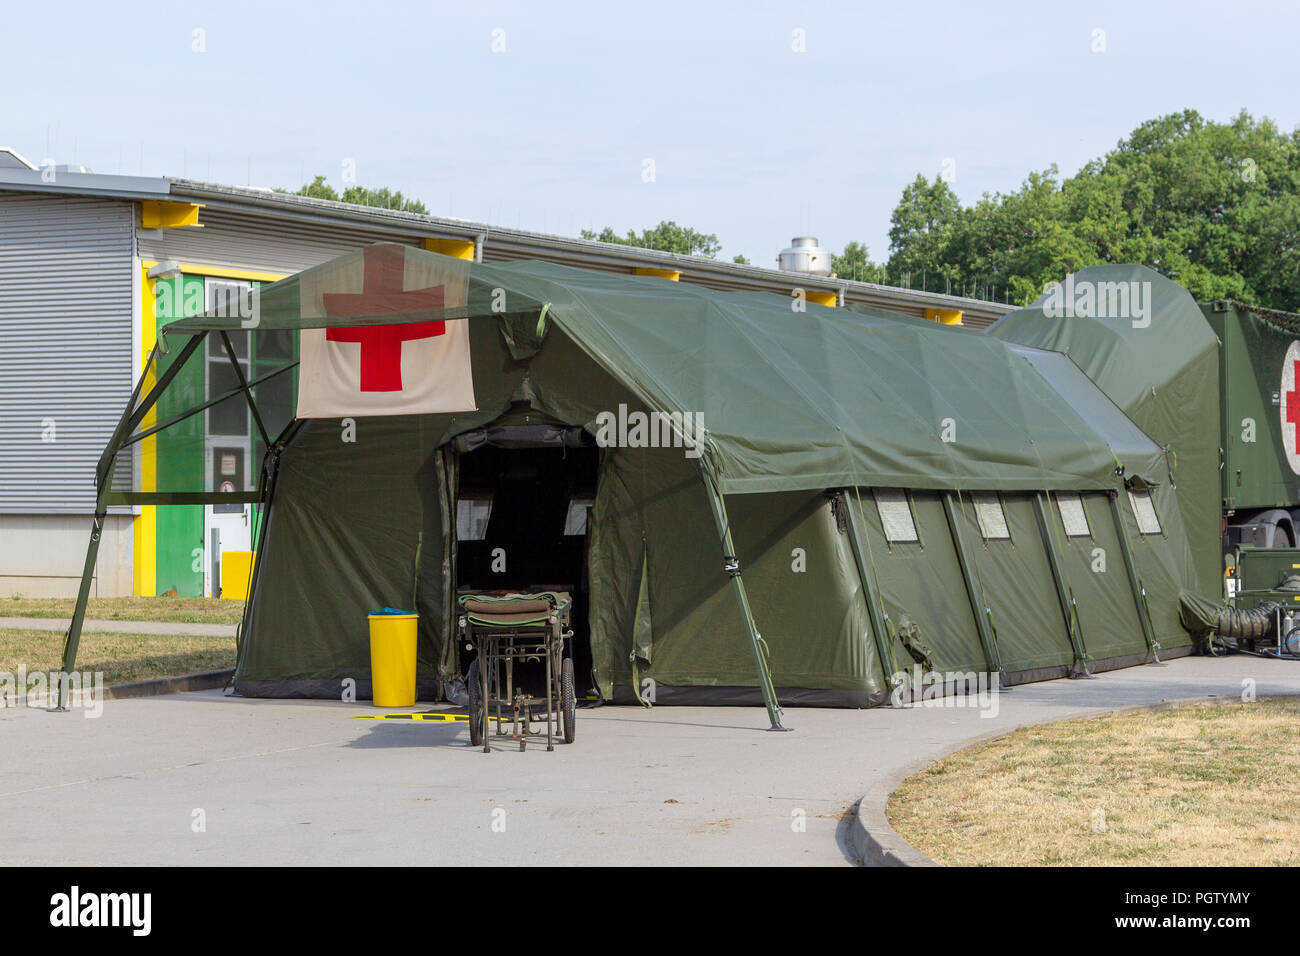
<point x="174" y="609"/>
<point x="121" y="657"/>
<point x="1194" y="786"/>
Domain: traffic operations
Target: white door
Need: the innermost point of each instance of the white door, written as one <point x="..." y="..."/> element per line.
<point x="225" y="527"/>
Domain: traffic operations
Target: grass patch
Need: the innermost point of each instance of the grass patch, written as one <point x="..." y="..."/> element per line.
<point x="173" y="609"/>
<point x="1214" y="785"/>
<point x="121" y="657"/>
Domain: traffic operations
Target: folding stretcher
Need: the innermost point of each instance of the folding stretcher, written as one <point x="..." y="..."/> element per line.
<point x="511" y="628"/>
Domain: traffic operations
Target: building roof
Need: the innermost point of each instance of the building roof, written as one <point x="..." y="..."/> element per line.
<point x="496" y="243"/>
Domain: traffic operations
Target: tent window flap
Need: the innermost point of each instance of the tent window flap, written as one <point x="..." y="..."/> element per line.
<point x="896" y="516"/>
<point x="1144" y="510"/>
<point x="992" y="519"/>
<point x="1073" y="515"/>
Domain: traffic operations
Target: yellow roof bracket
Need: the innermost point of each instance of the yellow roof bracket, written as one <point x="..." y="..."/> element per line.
<point x="159" y="214"/>
<point x="672" y="275"/>
<point x="456" y="248"/>
<point x="944" y="316"/>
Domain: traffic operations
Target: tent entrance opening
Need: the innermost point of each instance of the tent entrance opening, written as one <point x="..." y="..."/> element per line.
<point x="523" y="519"/>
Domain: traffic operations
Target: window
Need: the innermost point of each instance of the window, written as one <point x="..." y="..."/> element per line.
<point x="1144" y="509"/>
<point x="896" y="515"/>
<point x="228" y="419"/>
<point x="472" y="515"/>
<point x="992" y="519"/>
<point x="1073" y="515"/>
<point x="575" y="521"/>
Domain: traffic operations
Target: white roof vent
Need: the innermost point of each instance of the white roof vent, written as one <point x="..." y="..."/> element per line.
<point x="805" y="255"/>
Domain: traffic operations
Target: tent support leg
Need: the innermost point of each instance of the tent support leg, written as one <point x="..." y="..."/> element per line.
<point x="79" y="612"/>
<point x="732" y="567"/>
<point x="132" y="415"/>
<point x="1080" y="666"/>
<point x="1134" y="581"/>
<point x="978" y="606"/>
<point x="875" y="607"/>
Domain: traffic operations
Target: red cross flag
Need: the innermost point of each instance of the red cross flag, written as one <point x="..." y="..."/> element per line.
<point x="410" y="369"/>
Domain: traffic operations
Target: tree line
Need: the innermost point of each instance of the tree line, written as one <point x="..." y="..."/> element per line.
<point x="1213" y="206"/>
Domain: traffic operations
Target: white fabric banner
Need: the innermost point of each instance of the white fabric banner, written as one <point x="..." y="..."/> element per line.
<point x="410" y="369"/>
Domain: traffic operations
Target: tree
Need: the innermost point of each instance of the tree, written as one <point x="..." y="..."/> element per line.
<point x="1214" y="206"/>
<point x="317" y="189"/>
<point x="855" y="263"/>
<point x="382" y="198"/>
<point x="921" y="232"/>
<point x="665" y="237"/>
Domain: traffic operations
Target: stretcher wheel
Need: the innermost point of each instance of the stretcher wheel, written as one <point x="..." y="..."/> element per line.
<point x="475" y="689"/>
<point x="568" y="700"/>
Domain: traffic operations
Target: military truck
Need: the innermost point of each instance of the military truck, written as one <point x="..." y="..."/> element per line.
<point x="1259" y="408"/>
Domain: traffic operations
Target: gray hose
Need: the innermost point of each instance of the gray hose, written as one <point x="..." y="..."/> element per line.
<point x="1253" y="624"/>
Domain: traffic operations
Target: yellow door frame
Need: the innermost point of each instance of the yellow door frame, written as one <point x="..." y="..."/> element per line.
<point x="145" y="526"/>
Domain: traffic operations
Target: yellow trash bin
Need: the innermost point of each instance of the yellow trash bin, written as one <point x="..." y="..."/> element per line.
<point x="392" y="659"/>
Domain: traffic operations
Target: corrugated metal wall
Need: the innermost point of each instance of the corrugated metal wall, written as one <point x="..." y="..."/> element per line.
<point x="66" y="320"/>
<point x="236" y="240"/>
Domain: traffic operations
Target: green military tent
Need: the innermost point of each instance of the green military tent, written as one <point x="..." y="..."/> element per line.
<point x="1144" y="341"/>
<point x="751" y="498"/>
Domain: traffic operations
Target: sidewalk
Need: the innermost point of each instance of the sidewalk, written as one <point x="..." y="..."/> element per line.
<point x="300" y="782"/>
<point x="120" y="627"/>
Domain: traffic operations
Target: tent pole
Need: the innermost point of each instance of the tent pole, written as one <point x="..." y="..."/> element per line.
<point x="142" y="435"/>
<point x="731" y="564"/>
<point x="132" y="416"/>
<point x="271" y="475"/>
<point x="1080" y="667"/>
<point x="73" y="638"/>
<point x="866" y="573"/>
<point x="243" y="385"/>
<point x="103" y="473"/>
<point x="979" y="607"/>
<point x="137" y="416"/>
<point x="1134" y="581"/>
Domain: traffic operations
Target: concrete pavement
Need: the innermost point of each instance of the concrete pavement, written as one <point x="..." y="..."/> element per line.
<point x="296" y="782"/>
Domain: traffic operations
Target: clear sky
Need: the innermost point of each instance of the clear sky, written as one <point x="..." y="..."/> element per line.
<point x="749" y="138"/>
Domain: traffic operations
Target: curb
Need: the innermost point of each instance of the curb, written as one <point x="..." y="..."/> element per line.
<point x="878" y="843"/>
<point x="204" y="680"/>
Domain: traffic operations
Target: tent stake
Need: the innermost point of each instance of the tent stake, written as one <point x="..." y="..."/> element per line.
<point x="732" y="567"/>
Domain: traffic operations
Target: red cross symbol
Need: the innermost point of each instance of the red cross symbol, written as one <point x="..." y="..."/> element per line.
<point x="1293" y="408"/>
<point x="381" y="345"/>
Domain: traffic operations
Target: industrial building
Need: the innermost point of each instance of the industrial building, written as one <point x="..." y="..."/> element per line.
<point x="91" y="266"/>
